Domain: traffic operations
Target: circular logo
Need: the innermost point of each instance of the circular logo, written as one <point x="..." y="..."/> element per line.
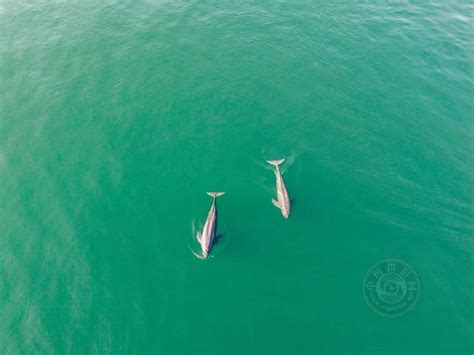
<point x="391" y="288"/>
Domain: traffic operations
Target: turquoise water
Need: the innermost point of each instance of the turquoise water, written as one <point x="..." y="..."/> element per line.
<point x="117" y="117"/>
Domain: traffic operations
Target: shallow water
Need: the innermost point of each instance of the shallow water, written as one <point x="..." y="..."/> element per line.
<point x="117" y="117"/>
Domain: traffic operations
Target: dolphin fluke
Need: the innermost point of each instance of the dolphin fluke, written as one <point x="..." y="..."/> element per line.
<point x="275" y="162"/>
<point x="215" y="194"/>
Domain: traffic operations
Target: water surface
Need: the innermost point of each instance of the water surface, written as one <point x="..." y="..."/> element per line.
<point x="117" y="117"/>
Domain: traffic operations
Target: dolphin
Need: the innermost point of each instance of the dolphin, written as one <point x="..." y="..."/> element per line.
<point x="208" y="233"/>
<point x="283" y="201"/>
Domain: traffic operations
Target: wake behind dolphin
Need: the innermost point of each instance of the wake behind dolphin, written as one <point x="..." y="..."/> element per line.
<point x="283" y="200"/>
<point x="206" y="237"/>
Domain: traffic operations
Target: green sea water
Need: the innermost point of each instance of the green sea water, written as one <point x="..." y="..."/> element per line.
<point x="117" y="116"/>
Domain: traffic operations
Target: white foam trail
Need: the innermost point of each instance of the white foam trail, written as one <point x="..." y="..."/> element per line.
<point x="193" y="242"/>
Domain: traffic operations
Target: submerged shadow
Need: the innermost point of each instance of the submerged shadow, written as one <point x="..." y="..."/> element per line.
<point x="292" y="202"/>
<point x="217" y="239"/>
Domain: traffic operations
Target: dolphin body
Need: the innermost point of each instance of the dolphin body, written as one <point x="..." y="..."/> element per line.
<point x="283" y="200"/>
<point x="208" y="233"/>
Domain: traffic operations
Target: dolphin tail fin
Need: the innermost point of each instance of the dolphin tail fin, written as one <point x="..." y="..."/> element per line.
<point x="215" y="194"/>
<point x="275" y="162"/>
